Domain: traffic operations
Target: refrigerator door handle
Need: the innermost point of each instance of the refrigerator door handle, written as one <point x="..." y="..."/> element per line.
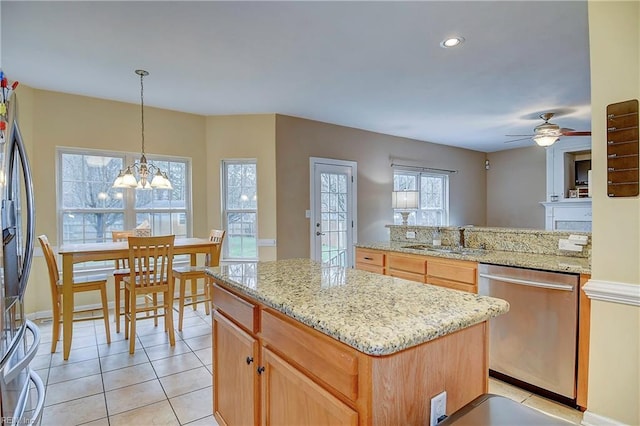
<point x="37" y="412"/>
<point x="16" y="369"/>
<point x="31" y="214"/>
<point x="552" y="286"/>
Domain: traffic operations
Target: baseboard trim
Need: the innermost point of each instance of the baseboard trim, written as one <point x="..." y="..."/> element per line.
<point x="40" y="315"/>
<point x="591" y="419"/>
<point x="611" y="291"/>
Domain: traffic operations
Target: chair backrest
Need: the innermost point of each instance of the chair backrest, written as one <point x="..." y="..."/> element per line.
<point x="152" y="259"/>
<point x="52" y="266"/>
<point x="216" y="236"/>
<point x="117" y="236"/>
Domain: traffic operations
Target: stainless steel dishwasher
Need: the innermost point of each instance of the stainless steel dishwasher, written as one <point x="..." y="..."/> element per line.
<point x="536" y="341"/>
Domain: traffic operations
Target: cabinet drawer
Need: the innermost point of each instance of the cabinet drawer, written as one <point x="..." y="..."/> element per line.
<point x="415" y="264"/>
<point x="370" y="268"/>
<point x="241" y="311"/>
<point x="412" y="276"/>
<point x="314" y="353"/>
<point x="465" y="272"/>
<point x="369" y="257"/>
<point x="456" y="285"/>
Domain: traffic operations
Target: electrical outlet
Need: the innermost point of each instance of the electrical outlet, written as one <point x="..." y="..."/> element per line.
<point x="438" y="407"/>
<point x="411" y="234"/>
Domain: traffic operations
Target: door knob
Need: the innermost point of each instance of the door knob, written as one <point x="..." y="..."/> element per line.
<point x="318" y="233"/>
<point x="249" y="360"/>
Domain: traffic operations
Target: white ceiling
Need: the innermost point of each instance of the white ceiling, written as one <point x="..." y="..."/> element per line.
<point x="371" y="65"/>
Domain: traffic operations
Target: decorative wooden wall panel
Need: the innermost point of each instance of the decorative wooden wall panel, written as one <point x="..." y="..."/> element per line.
<point x="623" y="149"/>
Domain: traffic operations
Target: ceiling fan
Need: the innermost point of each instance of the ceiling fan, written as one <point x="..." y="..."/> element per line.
<point x="546" y="134"/>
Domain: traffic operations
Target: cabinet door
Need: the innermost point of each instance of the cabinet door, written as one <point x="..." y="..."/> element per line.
<point x="291" y="398"/>
<point x="236" y="381"/>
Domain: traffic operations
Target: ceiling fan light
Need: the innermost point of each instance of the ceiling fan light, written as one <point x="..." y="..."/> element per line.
<point x="543" y="140"/>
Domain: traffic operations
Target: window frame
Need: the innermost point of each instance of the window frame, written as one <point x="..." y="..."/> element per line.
<point x="415" y="213"/>
<point x="225" y="211"/>
<point x="128" y="210"/>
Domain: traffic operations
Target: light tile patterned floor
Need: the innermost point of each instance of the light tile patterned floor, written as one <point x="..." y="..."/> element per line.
<point x="103" y="385"/>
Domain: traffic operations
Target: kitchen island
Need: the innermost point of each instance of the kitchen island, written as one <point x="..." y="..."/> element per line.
<point x="296" y="342"/>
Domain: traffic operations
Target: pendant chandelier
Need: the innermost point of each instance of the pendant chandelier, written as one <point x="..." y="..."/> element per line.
<point x="144" y="169"/>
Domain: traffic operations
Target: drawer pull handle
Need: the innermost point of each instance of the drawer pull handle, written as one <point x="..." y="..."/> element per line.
<point x="260" y="370"/>
<point x="249" y="360"/>
<point x="368" y="258"/>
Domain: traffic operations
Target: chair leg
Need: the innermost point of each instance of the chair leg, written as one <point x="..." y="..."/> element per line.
<point x="105" y="311"/>
<point x="207" y="295"/>
<point x="168" y="316"/>
<point x="194" y="291"/>
<point x="155" y="309"/>
<point x="116" y="311"/>
<point x="126" y="312"/>
<point x="181" y="303"/>
<point x="132" y="321"/>
<point x="55" y="324"/>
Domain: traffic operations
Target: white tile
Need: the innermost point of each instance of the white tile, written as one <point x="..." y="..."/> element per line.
<point x="509" y="391"/>
<point x="206" y="421"/>
<point x="187" y="381"/>
<point x="76" y="355"/>
<point x="122" y="360"/>
<point x="205" y="355"/>
<point x="136" y="396"/>
<point x="128" y="376"/>
<point x="159" y="413"/>
<point x="193" y="406"/>
<point x="117" y="347"/>
<point x="74" y="370"/>
<point x="75" y="412"/>
<point x="73" y="389"/>
<point x="176" y="364"/>
<point x="165" y="351"/>
<point x="199" y="342"/>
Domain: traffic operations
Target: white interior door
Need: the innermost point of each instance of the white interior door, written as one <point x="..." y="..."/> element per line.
<point x="333" y="210"/>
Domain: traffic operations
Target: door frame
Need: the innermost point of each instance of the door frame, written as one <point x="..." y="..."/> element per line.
<point x="313" y="162"/>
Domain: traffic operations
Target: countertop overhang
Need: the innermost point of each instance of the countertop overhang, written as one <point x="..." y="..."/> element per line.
<point x="375" y="314"/>
<point x="546" y="262"/>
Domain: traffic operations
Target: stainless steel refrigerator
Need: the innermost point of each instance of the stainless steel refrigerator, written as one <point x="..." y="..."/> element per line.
<point x="21" y="390"/>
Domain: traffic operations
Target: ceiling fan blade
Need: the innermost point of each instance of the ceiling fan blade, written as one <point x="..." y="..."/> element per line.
<point x="574" y="133"/>
<point x="517" y="140"/>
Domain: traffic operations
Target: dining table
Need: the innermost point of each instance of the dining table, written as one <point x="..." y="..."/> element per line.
<point x="86" y="252"/>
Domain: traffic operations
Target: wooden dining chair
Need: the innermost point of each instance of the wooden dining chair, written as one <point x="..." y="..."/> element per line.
<point x="195" y="273"/>
<point x="80" y="285"/>
<point x="121" y="270"/>
<point x="150" y="274"/>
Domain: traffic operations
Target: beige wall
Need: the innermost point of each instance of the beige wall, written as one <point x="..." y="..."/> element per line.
<point x="298" y="139"/>
<point x="516" y="186"/>
<point x="52" y="119"/>
<point x="244" y="136"/>
<point x="614" y="375"/>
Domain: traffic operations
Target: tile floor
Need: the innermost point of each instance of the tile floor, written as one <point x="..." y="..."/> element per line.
<point x="103" y="385"/>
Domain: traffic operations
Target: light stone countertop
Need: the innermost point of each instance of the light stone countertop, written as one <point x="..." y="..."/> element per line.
<point x="375" y="314"/>
<point x="545" y="262"/>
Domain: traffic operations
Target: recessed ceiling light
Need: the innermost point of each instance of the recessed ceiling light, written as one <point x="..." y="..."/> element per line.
<point x="452" y="42"/>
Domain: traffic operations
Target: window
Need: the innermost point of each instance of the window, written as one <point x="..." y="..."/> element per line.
<point x="240" y="209"/>
<point x="433" y="197"/>
<point x="89" y="209"/>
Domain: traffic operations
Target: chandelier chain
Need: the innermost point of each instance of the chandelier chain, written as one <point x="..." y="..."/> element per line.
<point x="142" y="108"/>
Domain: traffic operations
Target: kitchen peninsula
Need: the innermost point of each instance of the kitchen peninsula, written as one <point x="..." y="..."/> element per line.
<point x="297" y="342"/>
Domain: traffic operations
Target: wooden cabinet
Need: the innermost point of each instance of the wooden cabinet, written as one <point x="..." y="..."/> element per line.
<point x="450" y="273"/>
<point x="270" y="369"/>
<point x="370" y="260"/>
<point x="236" y="382"/>
<point x="407" y="266"/>
<point x="453" y="273"/>
<point x="292" y="398"/>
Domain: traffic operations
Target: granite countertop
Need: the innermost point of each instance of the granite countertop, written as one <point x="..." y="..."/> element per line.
<point x="545" y="262"/>
<point x="375" y="314"/>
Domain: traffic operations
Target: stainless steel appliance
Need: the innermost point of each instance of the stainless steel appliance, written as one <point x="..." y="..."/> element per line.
<point x="19" y="338"/>
<point x="536" y="341"/>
